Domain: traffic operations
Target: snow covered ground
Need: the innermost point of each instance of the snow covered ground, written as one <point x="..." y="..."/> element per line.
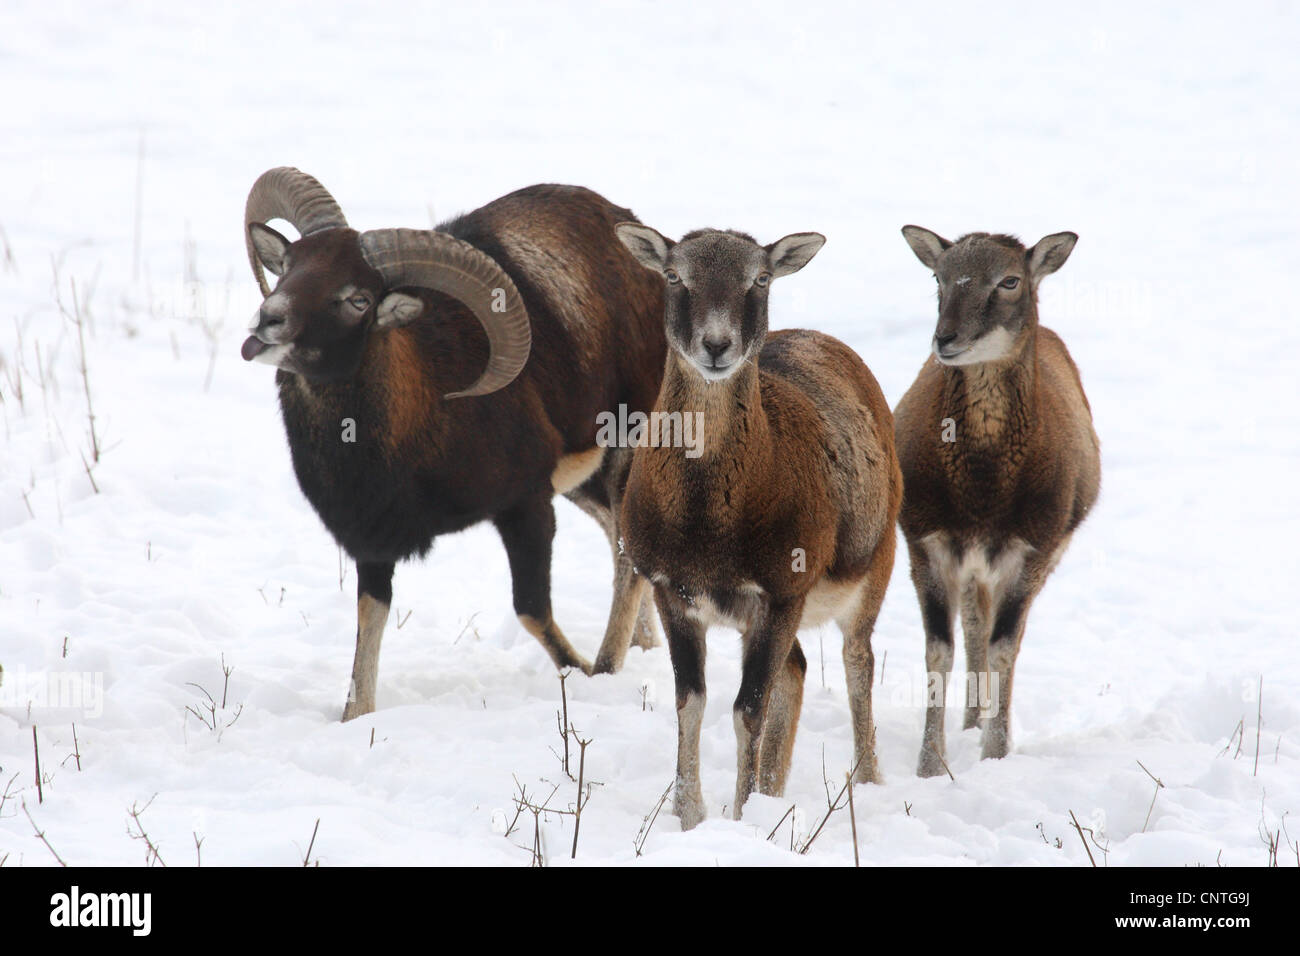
<point x="1165" y="135"/>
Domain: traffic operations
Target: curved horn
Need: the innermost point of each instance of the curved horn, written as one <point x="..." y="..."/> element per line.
<point x="435" y="260"/>
<point x="287" y="193"/>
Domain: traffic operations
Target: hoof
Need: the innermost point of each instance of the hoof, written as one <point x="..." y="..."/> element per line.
<point x="930" y="765"/>
<point x="352" y="710"/>
<point x="995" y="747"/>
<point x="870" y="774"/>
<point x="690" y="814"/>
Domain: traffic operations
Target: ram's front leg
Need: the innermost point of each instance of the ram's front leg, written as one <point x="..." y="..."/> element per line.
<point x="768" y="646"/>
<point x="374" y="596"/>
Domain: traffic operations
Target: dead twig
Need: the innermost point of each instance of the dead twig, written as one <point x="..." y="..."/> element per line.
<point x="833" y="805"/>
<point x="151" y="855"/>
<point x="36" y="751"/>
<point x="1237" y="733"/>
<point x="538" y="849"/>
<point x="853" y="820"/>
<point x="93" y="484"/>
<point x="781" y="821"/>
<point x="4" y="797"/>
<point x="306" y="857"/>
<point x="76" y="748"/>
<point x="563" y="719"/>
<point x="577" y="811"/>
<point x="41" y="834"/>
<point x="935" y="750"/>
<point x="648" y="820"/>
<point x="225" y="686"/>
<point x="1160" y="785"/>
<point x="78" y="319"/>
<point x="1259" y="722"/>
<point x="468" y="628"/>
<point x="1081" y="838"/>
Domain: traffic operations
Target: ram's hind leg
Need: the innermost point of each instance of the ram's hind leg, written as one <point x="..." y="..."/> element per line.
<point x="374" y="596"/>
<point x="527" y="532"/>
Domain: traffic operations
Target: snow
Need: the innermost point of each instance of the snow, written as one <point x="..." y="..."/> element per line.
<point x="1165" y="135"/>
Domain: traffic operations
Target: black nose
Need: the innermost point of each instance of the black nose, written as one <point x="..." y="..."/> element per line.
<point x="716" y="347"/>
<point x="943" y="338"/>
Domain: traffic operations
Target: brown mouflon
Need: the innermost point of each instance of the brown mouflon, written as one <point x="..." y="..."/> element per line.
<point x="1000" y="465"/>
<point x="783" y="515"/>
<point x="430" y="380"/>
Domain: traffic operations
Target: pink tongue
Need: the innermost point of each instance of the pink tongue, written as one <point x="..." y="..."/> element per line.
<point x="252" y="347"/>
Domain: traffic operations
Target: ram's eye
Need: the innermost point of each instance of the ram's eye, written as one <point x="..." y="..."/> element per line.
<point x="672" y="276"/>
<point x="763" y="279"/>
<point x="1010" y="282"/>
<point x="360" y="302"/>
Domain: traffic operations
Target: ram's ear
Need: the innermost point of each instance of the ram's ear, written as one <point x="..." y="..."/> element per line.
<point x="647" y="245"/>
<point x="270" y="247"/>
<point x="398" y="308"/>
<point x="927" y="245"/>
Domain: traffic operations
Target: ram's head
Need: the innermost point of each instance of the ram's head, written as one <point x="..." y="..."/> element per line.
<point x="336" y="286"/>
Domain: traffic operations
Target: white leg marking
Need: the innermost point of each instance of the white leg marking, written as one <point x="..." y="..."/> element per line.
<point x="688" y="800"/>
<point x="372" y="615"/>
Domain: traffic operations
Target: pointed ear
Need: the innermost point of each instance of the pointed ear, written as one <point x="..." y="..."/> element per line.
<point x="790" y="254"/>
<point x="270" y="247"/>
<point x="398" y="308"/>
<point x="648" y="246"/>
<point x="1050" y="253"/>
<point x="927" y="245"/>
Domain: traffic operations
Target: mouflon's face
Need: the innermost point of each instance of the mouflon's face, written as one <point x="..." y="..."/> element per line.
<point x="716" y="289"/>
<point x="316" y="319"/>
<point x="988" y="290"/>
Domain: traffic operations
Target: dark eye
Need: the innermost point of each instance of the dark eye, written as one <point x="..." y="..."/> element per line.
<point x="763" y="279"/>
<point x="360" y="302"/>
<point x="1010" y="282"/>
<point x="672" y="276"/>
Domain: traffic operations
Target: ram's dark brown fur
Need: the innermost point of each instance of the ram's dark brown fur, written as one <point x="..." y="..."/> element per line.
<point x="423" y="465"/>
